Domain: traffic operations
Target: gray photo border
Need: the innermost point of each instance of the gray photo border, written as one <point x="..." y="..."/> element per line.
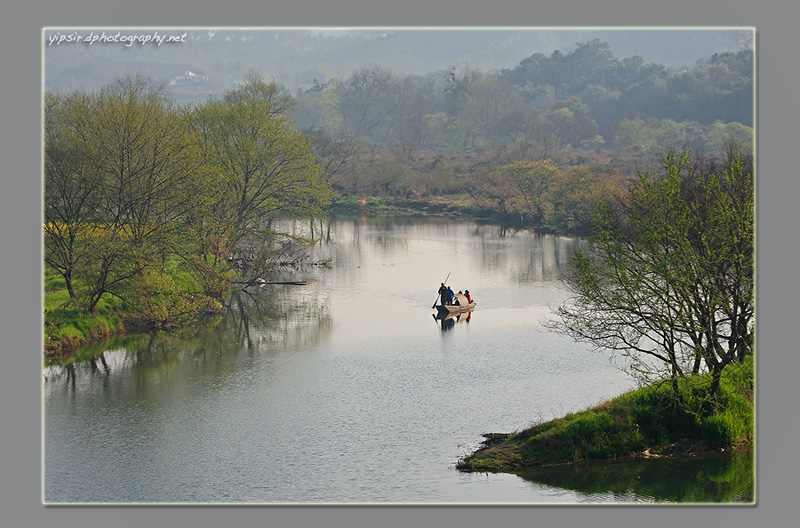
<point x="777" y="113"/>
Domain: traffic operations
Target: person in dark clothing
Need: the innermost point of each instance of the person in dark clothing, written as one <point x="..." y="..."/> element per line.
<point x="450" y="295"/>
<point x="443" y="293"/>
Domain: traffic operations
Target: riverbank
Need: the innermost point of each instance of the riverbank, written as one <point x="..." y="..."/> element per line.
<point x="68" y="329"/>
<point x="639" y="424"/>
<point x="460" y="207"/>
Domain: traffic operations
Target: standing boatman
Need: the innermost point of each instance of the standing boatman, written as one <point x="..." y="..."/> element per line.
<point x="443" y="293"/>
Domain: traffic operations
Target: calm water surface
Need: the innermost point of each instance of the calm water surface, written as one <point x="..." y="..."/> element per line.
<point x="345" y="390"/>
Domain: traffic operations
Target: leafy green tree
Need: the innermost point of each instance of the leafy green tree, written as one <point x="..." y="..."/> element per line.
<point x="258" y="168"/>
<point x="71" y="198"/>
<point x="634" y="132"/>
<point x="126" y="148"/>
<point x="668" y="279"/>
<point x="719" y="135"/>
<point x="159" y="301"/>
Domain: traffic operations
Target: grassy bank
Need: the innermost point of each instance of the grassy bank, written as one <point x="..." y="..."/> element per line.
<point x="67" y="328"/>
<point x="171" y="298"/>
<point x="644" y="422"/>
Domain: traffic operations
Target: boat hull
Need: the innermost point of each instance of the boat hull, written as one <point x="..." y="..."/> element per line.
<point x="451" y="309"/>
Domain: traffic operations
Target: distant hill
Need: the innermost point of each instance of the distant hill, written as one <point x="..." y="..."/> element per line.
<point x="296" y="57"/>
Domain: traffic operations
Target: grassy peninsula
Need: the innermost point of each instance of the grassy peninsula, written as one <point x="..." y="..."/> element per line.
<point x="645" y="422"/>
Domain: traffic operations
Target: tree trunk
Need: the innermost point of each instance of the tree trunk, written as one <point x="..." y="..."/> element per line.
<point x="716" y="377"/>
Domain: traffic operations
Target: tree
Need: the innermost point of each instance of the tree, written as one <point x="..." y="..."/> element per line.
<point x="480" y="105"/>
<point x="668" y="277"/>
<point x="118" y="179"/>
<point x="259" y="169"/>
<point x="70" y="198"/>
<point x="590" y="63"/>
<point x="519" y="187"/>
<point x="721" y="89"/>
<point x="256" y="88"/>
<point x="566" y="122"/>
<point x="410" y="104"/>
<point x="334" y="153"/>
<point x="488" y="101"/>
<point x="576" y="193"/>
<point x="364" y="103"/>
<point x="148" y="86"/>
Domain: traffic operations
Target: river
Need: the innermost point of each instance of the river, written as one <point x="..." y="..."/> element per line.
<point x="347" y="390"/>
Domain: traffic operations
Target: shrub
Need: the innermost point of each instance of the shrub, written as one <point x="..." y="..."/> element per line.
<point x="158" y="301"/>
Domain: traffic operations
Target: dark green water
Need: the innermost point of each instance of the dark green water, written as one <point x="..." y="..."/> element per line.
<point x="705" y="479"/>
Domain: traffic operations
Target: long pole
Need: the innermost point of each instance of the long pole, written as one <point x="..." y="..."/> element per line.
<point x="437" y="296"/>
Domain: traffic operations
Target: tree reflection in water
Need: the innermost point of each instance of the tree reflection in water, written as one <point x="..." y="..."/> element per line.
<point x="252" y="321"/>
<point x="703" y="479"/>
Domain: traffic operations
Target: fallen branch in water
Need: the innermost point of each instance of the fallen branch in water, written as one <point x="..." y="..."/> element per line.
<point x="261" y="282"/>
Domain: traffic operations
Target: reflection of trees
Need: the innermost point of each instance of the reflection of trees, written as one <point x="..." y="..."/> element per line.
<point x="523" y="254"/>
<point x="546" y="258"/>
<point x="386" y="233"/>
<point x="351" y="236"/>
<point x="253" y="321"/>
<point x="274" y="315"/>
<point x="715" y="478"/>
<point x="532" y="257"/>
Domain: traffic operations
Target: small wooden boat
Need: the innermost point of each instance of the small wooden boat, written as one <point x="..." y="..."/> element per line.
<point x="460" y="305"/>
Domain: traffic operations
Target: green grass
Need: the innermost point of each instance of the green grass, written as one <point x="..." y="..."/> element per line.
<point x="646" y="419"/>
<point x="176" y="297"/>
<point x="66" y="324"/>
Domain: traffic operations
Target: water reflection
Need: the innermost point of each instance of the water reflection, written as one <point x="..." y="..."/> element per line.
<point x="449" y="321"/>
<point x="706" y="479"/>
<point x="351" y="360"/>
<point x="254" y="321"/>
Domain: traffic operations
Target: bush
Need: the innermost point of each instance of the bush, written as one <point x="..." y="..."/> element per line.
<point x="158" y="301"/>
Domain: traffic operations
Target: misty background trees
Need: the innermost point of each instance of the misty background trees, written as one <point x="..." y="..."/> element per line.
<point x="587" y="98"/>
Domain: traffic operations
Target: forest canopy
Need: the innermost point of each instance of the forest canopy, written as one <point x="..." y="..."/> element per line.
<point x="584" y="99"/>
